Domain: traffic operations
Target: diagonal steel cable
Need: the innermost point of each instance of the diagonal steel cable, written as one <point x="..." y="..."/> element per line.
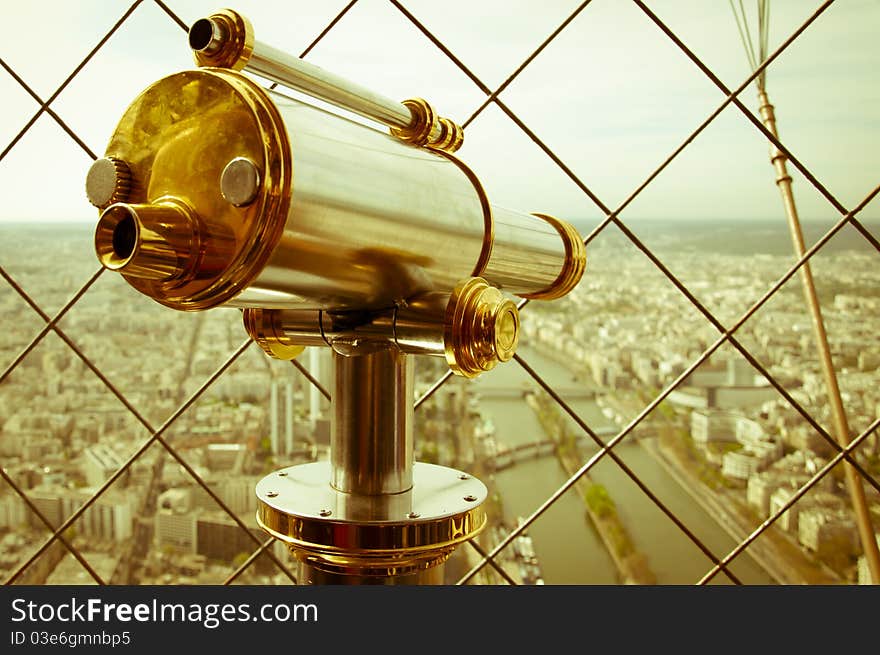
<point x="650" y="407"/>
<point x="36" y="510"/>
<point x="855" y="443"/>
<point x="528" y="60"/>
<point x="626" y="469"/>
<point x="693" y="135"/>
<point x="612" y="215"/>
<point x="512" y="116"/>
<point x="735" y="343"/>
<point x="44" y="106"/>
<point x="156" y="434"/>
<point x="250" y="560"/>
<point x="748" y="114"/>
<point x="311" y="378"/>
<point x="173" y="16"/>
<point x="493" y="563"/>
<point x="50" y="325"/>
<point x="323" y="33"/>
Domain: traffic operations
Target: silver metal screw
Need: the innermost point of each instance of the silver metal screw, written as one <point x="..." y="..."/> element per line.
<point x="470" y="498"/>
<point x="283" y="474"/>
<point x="240" y="181"/>
<point x="464" y="476"/>
<point x="271" y="494"/>
<point x="413" y="515"/>
<point x="325" y="512"/>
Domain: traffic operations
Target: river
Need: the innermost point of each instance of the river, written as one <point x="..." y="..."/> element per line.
<point x="565" y="542"/>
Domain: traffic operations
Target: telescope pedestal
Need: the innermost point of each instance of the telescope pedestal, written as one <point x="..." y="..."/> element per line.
<point x="370" y="515"/>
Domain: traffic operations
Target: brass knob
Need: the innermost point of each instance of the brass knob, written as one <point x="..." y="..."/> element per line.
<point x="481" y="328"/>
<point x="108" y="182"/>
<point x="261" y="327"/>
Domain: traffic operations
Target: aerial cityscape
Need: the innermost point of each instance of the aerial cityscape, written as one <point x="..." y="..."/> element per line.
<point x="723" y="452"/>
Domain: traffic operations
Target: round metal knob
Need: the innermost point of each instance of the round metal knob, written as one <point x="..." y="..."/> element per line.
<point x="481" y="328"/>
<point x="240" y="181"/>
<point x="108" y="181"/>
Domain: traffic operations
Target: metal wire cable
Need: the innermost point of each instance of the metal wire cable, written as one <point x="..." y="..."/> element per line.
<point x="650" y="407"/>
<point x="528" y="60"/>
<point x="612" y="217"/>
<point x="855" y="443"/>
<point x="36" y="511"/>
<point x="51" y="324"/>
<point x="748" y="114"/>
<point x="617" y="460"/>
<point x="492" y="96"/>
<point x="69" y="78"/>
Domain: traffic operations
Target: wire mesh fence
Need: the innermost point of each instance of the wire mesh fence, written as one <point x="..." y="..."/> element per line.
<point x="725" y="334"/>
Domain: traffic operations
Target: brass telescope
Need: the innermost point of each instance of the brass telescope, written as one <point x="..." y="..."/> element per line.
<point x="380" y="245"/>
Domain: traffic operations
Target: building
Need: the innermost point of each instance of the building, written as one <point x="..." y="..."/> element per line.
<point x="176" y="530"/>
<point x="789" y="519"/>
<point x="709" y="426"/>
<point x="220" y="538"/>
<point x="110" y="517"/>
<point x="830" y="533"/>
<point x="99" y="463"/>
<point x="740" y="465"/>
<point x="13" y="512"/>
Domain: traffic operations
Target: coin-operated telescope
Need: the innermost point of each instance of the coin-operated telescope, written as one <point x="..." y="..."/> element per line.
<point x="217" y="191"/>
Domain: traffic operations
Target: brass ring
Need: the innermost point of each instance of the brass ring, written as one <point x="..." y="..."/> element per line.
<point x="237" y="48"/>
<point x="574" y="266"/>
<point x="488" y="220"/>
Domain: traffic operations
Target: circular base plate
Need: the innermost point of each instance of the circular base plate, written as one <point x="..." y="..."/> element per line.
<point x="298" y="505"/>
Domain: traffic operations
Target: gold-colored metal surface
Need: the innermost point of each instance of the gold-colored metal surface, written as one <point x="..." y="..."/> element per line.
<point x="264" y="327"/>
<point x="235" y="42"/>
<point x="336" y="531"/>
<point x="427" y="129"/>
<point x="488" y="222"/>
<point x="854" y="484"/>
<point x="176" y="138"/>
<point x="575" y="261"/>
<point x="481" y="328"/>
<point x="148" y="242"/>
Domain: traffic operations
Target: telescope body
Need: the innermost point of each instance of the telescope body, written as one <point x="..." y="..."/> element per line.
<point x="241" y="196"/>
<point x="215" y="191"/>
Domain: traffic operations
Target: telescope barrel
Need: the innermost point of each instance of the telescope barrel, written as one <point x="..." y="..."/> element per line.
<point x="226" y="40"/>
<point x="290" y="206"/>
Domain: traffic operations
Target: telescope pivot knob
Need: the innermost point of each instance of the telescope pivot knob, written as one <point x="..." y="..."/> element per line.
<point x="481" y="328"/>
<point x="108" y="181"/>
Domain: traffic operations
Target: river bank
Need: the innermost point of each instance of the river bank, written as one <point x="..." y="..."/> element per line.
<point x="784" y="561"/>
<point x="632" y="565"/>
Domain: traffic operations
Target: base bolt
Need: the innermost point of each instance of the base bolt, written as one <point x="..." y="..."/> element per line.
<point x="271" y="494"/>
<point x="470" y="498"/>
<point x="325" y="512"/>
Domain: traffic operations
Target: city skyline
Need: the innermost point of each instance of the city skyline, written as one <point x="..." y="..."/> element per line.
<point x="720" y="436"/>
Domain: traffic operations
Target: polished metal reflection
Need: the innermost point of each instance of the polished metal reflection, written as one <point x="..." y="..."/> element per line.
<point x="371" y="442"/>
<point x="369" y="223"/>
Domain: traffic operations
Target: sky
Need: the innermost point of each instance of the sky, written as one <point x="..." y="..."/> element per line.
<point x="612" y="96"/>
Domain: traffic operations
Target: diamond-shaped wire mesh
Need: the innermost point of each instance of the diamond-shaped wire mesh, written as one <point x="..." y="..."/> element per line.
<point x="722" y="334"/>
